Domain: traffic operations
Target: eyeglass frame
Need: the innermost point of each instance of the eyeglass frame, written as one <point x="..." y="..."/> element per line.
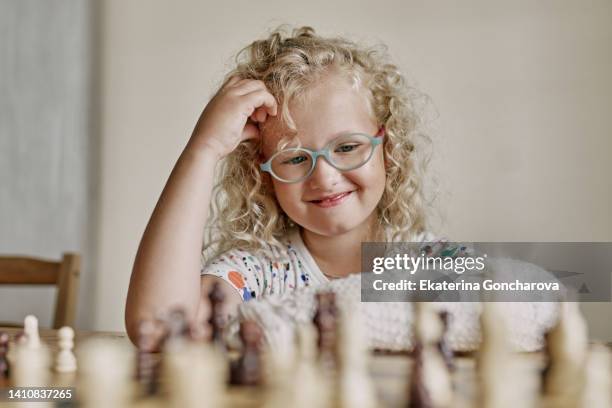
<point x="315" y="154"/>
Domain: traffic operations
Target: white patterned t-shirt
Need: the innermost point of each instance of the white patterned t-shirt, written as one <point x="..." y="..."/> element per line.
<point x="258" y="275"/>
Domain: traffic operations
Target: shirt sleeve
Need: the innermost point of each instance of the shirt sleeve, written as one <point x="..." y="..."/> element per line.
<point x="238" y="268"/>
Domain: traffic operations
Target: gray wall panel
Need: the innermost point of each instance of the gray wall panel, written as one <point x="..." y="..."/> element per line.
<point x="45" y="143"/>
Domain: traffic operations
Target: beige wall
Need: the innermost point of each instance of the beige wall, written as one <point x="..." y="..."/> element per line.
<point x="523" y="93"/>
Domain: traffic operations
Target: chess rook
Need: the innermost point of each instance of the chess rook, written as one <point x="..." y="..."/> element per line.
<point x="326" y="322"/>
<point x="147" y="369"/>
<point x="216" y="320"/>
<point x="247" y="370"/>
<point x="4" y="349"/>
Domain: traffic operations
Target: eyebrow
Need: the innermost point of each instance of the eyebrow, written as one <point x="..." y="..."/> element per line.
<point x="339" y="134"/>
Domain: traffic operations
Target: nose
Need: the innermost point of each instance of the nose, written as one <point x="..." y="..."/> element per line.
<point x="324" y="176"/>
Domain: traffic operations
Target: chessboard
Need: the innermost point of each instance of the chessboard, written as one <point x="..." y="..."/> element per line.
<point x="329" y="367"/>
<point x="390" y="373"/>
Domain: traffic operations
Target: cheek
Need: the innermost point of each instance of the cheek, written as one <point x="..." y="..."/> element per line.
<point x="373" y="175"/>
<point x="380" y="168"/>
<point x="287" y="195"/>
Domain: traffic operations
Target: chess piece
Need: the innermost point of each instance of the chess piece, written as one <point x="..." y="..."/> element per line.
<point x="598" y="392"/>
<point x="146" y="363"/>
<point x="279" y="376"/>
<point x="567" y="347"/>
<point x="31" y="366"/>
<point x="105" y="371"/>
<point x="30" y="328"/>
<point x="430" y="381"/>
<point x="198" y="330"/>
<point x="443" y="346"/>
<point x="247" y="370"/>
<point x="4" y="349"/>
<point x="195" y="376"/>
<point x="504" y="379"/>
<point x="325" y="320"/>
<point x="20" y="338"/>
<point x="177" y="329"/>
<point x="217" y="320"/>
<point x="356" y="386"/>
<point x="31" y="359"/>
<point x="280" y="364"/>
<point x="493" y="359"/>
<point x="311" y="384"/>
<point x="419" y="395"/>
<point x="66" y="360"/>
<point x="177" y="325"/>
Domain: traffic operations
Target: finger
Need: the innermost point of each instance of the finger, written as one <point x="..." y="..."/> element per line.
<point x="264" y="99"/>
<point x="261" y="115"/>
<point x="234" y="79"/>
<point x="249" y="85"/>
<point x="250" y="131"/>
<point x="255" y="115"/>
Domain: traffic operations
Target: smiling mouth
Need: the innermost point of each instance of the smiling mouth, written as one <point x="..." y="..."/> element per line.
<point x="332" y="199"/>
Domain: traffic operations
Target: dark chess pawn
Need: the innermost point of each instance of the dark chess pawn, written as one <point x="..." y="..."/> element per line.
<point x="147" y="365"/>
<point x="177" y="326"/>
<point x="443" y="346"/>
<point x="545" y="371"/>
<point x="4" y="347"/>
<point x="247" y="370"/>
<point x="327" y="302"/>
<point x="419" y="394"/>
<point x="326" y="322"/>
<point x="217" y="319"/>
<point x="198" y="331"/>
<point x="175" y="329"/>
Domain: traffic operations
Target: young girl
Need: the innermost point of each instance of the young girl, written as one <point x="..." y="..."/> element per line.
<point x="329" y="160"/>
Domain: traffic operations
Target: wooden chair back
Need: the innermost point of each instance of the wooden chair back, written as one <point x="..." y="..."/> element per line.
<point x="34" y="271"/>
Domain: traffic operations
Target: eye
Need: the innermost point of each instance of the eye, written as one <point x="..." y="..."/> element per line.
<point x="346" y="148"/>
<point x="295" y="160"/>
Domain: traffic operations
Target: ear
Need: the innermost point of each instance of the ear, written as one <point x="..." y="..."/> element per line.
<point x="266" y="180"/>
<point x="381" y="133"/>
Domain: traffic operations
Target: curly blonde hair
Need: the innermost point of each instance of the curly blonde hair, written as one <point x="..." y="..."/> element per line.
<point x="245" y="213"/>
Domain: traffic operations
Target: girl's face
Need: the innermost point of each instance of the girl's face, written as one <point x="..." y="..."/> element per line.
<point x="333" y="108"/>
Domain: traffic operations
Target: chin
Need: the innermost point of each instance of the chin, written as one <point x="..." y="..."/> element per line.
<point x="332" y="230"/>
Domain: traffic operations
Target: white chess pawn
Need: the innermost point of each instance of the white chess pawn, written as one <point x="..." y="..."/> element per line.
<point x="357" y="388"/>
<point x="105" y="373"/>
<point x="568" y="349"/>
<point x="30" y="328"/>
<point x="598" y="378"/>
<point x="312" y="388"/>
<point x="504" y="380"/>
<point x="193" y="372"/>
<point x="66" y="361"/>
<point x="30" y="367"/>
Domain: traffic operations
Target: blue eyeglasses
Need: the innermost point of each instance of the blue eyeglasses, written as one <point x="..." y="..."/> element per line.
<point x="347" y="152"/>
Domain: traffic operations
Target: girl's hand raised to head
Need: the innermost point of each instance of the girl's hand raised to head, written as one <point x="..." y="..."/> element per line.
<point x="232" y="116"/>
